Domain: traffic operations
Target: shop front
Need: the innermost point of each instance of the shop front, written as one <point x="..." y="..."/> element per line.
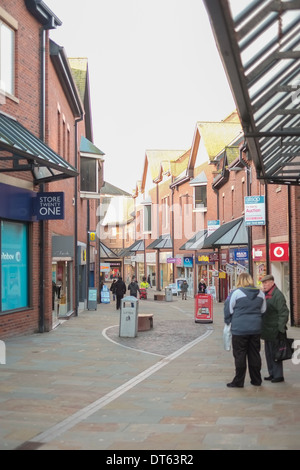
<point x="205" y="267"/>
<point x="62" y="276"/>
<point x="279" y="258"/>
<point x="259" y="263"/>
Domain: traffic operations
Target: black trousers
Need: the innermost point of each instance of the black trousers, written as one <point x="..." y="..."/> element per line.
<point x="246" y="349"/>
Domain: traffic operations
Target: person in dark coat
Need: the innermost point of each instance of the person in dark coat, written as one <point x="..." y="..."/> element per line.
<point x="244" y="310"/>
<point x="120" y="288"/>
<point x="201" y="287"/>
<point x="133" y="287"/>
<point x="273" y="325"/>
<point x="113" y="289"/>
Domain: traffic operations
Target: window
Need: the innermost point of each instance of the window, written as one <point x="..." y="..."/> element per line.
<point x="147" y="218"/>
<point x="7" y="59"/>
<point x="200" y="197"/>
<point x="14" y="265"/>
<point x="165" y="212"/>
<point x="88" y="175"/>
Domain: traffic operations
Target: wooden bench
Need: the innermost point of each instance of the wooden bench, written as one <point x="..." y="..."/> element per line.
<point x="145" y="321"/>
<point x="159" y="297"/>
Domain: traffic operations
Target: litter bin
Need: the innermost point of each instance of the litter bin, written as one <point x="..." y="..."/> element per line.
<point x="129" y="317"/>
<point x="203" y="308"/>
<point x="168" y="294"/>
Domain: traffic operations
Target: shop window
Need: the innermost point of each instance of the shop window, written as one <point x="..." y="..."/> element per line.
<point x="14" y="265"/>
<point x="7" y="59"/>
<point x="200" y="197"/>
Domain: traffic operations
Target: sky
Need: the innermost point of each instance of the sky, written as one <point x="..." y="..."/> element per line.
<point x="154" y="72"/>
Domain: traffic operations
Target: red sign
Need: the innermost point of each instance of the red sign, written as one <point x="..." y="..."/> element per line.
<point x="203" y="308"/>
<point x="279" y="251"/>
<point x="259" y="253"/>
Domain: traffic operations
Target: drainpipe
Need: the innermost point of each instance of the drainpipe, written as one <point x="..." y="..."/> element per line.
<point x="76" y="220"/>
<point x="42" y="227"/>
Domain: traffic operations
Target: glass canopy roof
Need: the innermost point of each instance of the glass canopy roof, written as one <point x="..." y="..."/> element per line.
<point x="259" y="43"/>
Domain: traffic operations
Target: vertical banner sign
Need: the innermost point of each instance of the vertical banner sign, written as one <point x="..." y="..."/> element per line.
<point x="49" y="206"/>
<point x="255" y="210"/>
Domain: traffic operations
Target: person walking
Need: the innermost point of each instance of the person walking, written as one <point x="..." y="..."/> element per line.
<point x="244" y="310"/>
<point x="113" y="289"/>
<point x="273" y="325"/>
<point x="184" y="288"/>
<point x="201" y="287"/>
<point x="120" y="288"/>
<point x="133" y="287"/>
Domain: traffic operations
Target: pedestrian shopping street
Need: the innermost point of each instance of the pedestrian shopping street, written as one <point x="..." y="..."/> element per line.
<point x="82" y="387"/>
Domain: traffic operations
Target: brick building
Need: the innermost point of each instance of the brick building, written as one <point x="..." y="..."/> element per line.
<point x="45" y="134"/>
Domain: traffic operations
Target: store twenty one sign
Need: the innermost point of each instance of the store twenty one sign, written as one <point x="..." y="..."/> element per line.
<point x="49" y="206"/>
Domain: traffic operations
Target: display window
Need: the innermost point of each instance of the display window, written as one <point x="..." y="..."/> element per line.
<point x="14" y="266"/>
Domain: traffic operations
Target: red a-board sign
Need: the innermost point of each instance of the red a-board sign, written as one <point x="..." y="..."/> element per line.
<point x="203" y="308"/>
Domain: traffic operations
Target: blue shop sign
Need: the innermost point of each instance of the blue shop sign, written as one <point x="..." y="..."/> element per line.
<point x="49" y="206"/>
<point x="241" y="254"/>
<point x="188" y="261"/>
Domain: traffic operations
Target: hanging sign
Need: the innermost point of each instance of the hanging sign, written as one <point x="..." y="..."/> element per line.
<point x="279" y="251"/>
<point x="49" y="206"/>
<point x="255" y="210"/>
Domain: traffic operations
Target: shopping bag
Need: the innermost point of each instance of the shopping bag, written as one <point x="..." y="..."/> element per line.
<point x="283" y="349"/>
<point x="227" y="337"/>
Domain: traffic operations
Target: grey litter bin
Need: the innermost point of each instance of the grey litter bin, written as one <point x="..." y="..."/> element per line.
<point x="129" y="317"/>
<point x="168" y="294"/>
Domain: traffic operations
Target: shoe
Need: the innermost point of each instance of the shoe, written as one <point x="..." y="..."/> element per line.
<point x="256" y="385"/>
<point x="268" y="378"/>
<point x="233" y="385"/>
<point x="279" y="379"/>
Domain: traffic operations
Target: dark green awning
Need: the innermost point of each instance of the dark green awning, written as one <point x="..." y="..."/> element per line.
<point x="163" y="242"/>
<point x="106" y="252"/>
<point x="196" y="242"/>
<point x="259" y="43"/>
<point x="44" y="164"/>
<point x="138" y="245"/>
<point x="231" y="233"/>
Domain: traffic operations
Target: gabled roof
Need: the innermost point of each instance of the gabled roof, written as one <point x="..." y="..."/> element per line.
<point x="160" y="162"/>
<point x="217" y="135"/>
<point x="87" y="147"/>
<point x="111" y="190"/>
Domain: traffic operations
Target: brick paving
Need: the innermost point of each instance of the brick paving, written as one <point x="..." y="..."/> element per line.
<point x="81" y="386"/>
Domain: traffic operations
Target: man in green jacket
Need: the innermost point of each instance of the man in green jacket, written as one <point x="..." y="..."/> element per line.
<point x="273" y="325"/>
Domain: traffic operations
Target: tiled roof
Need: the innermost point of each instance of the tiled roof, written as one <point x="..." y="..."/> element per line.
<point x="217" y="135"/>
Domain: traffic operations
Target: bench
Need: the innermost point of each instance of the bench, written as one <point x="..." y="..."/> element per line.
<point x="159" y="297"/>
<point x="145" y="321"/>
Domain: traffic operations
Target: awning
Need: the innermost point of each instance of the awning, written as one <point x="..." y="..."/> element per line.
<point x="106" y="252"/>
<point x="138" y="245"/>
<point x="231" y="233"/>
<point x="163" y="241"/>
<point x="260" y="48"/>
<point x="196" y="242"/>
<point x="44" y="164"/>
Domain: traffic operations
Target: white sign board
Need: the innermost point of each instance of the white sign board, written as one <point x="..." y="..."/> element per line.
<point x="255" y="210"/>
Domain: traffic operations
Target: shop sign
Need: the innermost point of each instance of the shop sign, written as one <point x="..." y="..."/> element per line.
<point x="255" y="210"/>
<point x="171" y="260"/>
<point x="222" y="275"/>
<point x="104" y="267"/>
<point x="240" y="254"/>
<point x="279" y="251"/>
<point x="188" y="261"/>
<point x="259" y="253"/>
<point x="204" y="258"/>
<point x="212" y="226"/>
<point x="49" y="206"/>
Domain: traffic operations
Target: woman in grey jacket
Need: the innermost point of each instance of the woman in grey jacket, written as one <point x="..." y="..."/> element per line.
<point x="244" y="310"/>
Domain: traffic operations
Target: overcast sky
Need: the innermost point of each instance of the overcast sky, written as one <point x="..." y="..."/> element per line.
<point x="154" y="72"/>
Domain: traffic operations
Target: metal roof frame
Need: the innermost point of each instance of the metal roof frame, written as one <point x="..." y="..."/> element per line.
<point x="259" y="44"/>
<point x="21" y="145"/>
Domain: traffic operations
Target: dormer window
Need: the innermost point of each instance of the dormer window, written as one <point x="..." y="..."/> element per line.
<point x="200" y="192"/>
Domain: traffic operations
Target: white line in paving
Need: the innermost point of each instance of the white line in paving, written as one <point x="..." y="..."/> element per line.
<point x="127" y="347"/>
<point x="71" y="421"/>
